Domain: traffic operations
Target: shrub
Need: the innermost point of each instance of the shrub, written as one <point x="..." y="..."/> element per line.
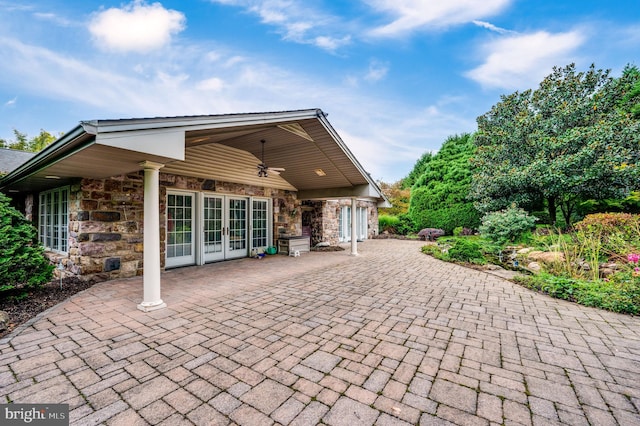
<point x="457" y="249"/>
<point x="22" y="260"/>
<point x="388" y="223"/>
<point x="447" y="218"/>
<point x="405" y="225"/>
<point x="462" y="232"/>
<point x="400" y="225"/>
<point x="506" y="225"/>
<point x="616" y="232"/>
<point x="465" y="250"/>
<point x="440" y="187"/>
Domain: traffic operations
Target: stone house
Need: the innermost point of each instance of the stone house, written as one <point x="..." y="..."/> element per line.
<point x="121" y="198"/>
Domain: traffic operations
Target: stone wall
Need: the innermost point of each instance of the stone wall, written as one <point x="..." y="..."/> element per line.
<point x="330" y="222"/>
<point x="312" y="217"/>
<point x="106" y="221"/>
<point x="323" y="218"/>
<point x="106" y="227"/>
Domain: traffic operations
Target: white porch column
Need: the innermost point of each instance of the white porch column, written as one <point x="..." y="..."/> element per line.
<point x="151" y="271"/>
<point x="354" y="228"/>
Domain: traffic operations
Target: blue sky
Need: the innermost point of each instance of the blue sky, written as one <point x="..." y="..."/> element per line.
<point x="395" y="76"/>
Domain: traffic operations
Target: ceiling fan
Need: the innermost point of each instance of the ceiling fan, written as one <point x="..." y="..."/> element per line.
<point x="263" y="170"/>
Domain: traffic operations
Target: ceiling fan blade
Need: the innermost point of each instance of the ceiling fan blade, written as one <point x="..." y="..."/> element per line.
<point x="276" y="169"/>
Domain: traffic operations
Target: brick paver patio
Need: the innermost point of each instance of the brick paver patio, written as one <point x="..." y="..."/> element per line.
<point x="389" y="337"/>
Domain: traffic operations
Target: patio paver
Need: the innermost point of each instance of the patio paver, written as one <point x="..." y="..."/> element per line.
<point x="389" y="337"/>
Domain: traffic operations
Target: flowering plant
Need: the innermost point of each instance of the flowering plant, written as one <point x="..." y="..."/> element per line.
<point x="633" y="258"/>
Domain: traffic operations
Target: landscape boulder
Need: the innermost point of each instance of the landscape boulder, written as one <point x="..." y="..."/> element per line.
<point x="545" y="256"/>
<point x="4" y="320"/>
<point x="534" y="267"/>
<point x="430" y="234"/>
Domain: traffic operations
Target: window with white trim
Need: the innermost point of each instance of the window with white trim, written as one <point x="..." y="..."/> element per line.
<point x="53" y="218"/>
<point x="362" y="223"/>
<point x="344" y="224"/>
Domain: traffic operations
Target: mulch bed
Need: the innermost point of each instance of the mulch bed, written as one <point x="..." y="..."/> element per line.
<point x="36" y="301"/>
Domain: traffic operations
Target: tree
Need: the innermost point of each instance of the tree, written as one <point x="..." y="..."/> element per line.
<point x="565" y="142"/>
<point x="417" y="171"/>
<point x="398" y="197"/>
<point x="439" y="196"/>
<point x="22" y="143"/>
<point x="630" y="88"/>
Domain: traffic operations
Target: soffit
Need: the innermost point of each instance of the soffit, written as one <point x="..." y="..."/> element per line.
<point x="94" y="161"/>
<point x="300" y="154"/>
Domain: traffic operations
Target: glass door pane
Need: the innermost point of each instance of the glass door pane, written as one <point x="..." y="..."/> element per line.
<point x="180" y="222"/>
<point x="260" y="224"/>
<point x="237" y="224"/>
<point x="213" y="228"/>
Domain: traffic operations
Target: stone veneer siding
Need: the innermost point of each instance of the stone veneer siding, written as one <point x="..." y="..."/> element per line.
<point x="323" y="216"/>
<point x="106" y="219"/>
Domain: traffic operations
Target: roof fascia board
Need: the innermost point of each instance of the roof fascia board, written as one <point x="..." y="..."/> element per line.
<point x="197" y="122"/>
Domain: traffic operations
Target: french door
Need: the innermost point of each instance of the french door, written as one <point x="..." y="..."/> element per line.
<point x="225" y="227"/>
<point x="214" y="228"/>
<point x="204" y="228"/>
<point x="237" y="244"/>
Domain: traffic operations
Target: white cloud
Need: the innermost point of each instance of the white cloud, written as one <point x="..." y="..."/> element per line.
<point x="377" y="71"/>
<point x="390" y="138"/>
<point x="213" y="84"/>
<point x="136" y="27"/>
<point x="11" y="102"/>
<point x="520" y="61"/>
<point x="331" y="43"/>
<point x="52" y="17"/>
<point x="297" y="21"/>
<point x="492" y="27"/>
<point x="411" y="15"/>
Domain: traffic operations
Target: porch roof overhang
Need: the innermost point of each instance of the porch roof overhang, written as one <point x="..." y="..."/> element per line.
<point x="317" y="163"/>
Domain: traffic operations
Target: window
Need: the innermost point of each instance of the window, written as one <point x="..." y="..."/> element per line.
<point x="54" y="219"/>
<point x="344" y="223"/>
<point x="179" y="225"/>
<point x="362" y="223"/>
